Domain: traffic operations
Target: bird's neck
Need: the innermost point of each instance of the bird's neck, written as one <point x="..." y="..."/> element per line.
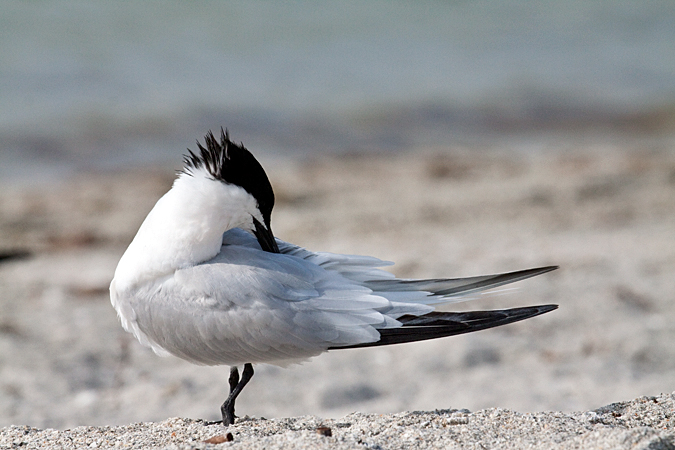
<point x="183" y="229"/>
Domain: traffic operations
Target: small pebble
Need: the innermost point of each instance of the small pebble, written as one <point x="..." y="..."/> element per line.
<point x="324" y="431"/>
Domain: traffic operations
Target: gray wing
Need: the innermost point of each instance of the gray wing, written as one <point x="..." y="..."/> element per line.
<point x="365" y="271"/>
<point x="246" y="305"/>
<point x="428" y="291"/>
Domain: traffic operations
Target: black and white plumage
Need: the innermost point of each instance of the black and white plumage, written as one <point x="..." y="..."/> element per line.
<point x="206" y="280"/>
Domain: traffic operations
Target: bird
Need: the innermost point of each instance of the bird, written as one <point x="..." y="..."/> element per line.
<point x="206" y="280"/>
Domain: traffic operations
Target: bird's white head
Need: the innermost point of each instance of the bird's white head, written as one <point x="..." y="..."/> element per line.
<point x="221" y="186"/>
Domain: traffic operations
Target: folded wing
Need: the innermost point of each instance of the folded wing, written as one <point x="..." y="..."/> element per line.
<point x="246" y="305"/>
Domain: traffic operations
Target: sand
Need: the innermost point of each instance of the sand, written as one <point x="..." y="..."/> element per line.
<point x="645" y="423"/>
<point x="602" y="210"/>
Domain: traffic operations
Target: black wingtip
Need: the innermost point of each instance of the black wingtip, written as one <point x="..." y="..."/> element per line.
<point x="546" y="308"/>
<point x="529" y="273"/>
<point x="443" y="324"/>
<point x="547" y="269"/>
<point x="490" y="282"/>
<point x="14" y="255"/>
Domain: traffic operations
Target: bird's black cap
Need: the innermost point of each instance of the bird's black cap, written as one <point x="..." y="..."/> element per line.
<point x="234" y="164"/>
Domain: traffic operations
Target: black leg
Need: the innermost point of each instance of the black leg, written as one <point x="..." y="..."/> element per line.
<point x="236" y="386"/>
<point x="234" y="378"/>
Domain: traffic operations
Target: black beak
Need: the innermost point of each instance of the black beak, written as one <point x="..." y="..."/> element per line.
<point x="265" y="237"/>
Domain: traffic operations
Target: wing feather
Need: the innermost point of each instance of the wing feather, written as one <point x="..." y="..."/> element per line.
<point x="443" y="324"/>
<point x="246" y="305"/>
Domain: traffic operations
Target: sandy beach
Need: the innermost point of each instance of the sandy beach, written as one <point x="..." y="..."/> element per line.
<point x="604" y="212"/>
<point x="645" y="423"/>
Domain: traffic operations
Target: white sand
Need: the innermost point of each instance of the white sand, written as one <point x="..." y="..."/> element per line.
<point x="645" y="423"/>
<point x="604" y="213"/>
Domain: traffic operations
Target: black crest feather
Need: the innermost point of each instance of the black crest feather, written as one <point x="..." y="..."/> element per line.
<point x="230" y="163"/>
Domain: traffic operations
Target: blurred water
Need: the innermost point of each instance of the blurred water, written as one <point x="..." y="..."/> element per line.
<point x="107" y="83"/>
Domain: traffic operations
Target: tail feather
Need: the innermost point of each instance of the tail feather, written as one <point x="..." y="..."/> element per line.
<point x="442" y="324"/>
<point x="451" y="287"/>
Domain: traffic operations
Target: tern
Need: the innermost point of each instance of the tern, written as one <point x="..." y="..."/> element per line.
<point x="205" y="280"/>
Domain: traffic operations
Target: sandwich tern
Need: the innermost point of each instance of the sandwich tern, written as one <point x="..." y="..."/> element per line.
<point x="206" y="280"/>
